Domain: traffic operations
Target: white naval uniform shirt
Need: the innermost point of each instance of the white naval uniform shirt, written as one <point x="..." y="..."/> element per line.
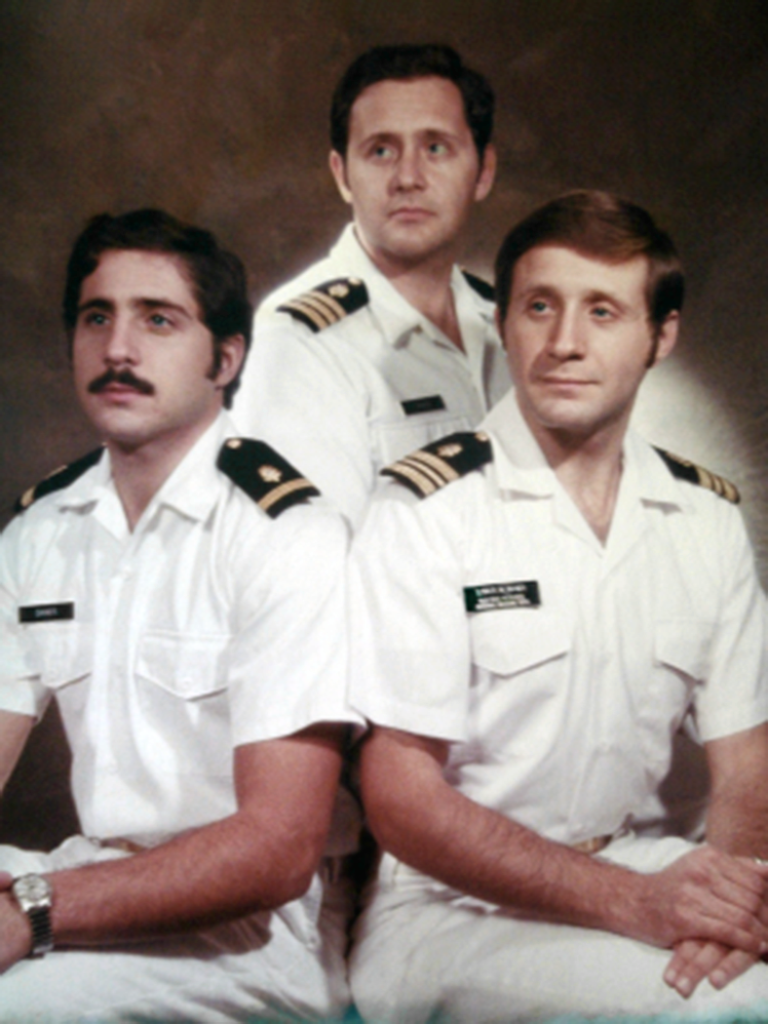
<point x="211" y="625"/>
<point x="332" y="402"/>
<point x="561" y="706"/>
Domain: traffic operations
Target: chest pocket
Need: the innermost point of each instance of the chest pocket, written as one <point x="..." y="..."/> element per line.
<point x="187" y="666"/>
<point x="62" y="653"/>
<point x="181" y="686"/>
<point x="521" y="663"/>
<point x="683" y="646"/>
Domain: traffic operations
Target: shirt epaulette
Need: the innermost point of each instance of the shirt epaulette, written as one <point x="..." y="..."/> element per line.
<point x="58" y="479"/>
<point x="328" y="303"/>
<point x="685" y="470"/>
<point x="483" y="289"/>
<point x="264" y="475"/>
<point x="432" y="467"/>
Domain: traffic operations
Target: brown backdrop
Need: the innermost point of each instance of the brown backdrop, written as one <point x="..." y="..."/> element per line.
<point x="217" y="110"/>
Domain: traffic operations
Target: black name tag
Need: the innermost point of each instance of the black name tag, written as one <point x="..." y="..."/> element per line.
<point x="430" y="403"/>
<point x="47" y="612"/>
<point x="489" y="597"/>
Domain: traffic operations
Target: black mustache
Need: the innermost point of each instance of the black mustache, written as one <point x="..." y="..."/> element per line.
<point x="124" y="377"/>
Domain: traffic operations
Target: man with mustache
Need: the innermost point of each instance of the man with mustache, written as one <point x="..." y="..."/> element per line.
<point x="182" y="599"/>
<point x="558" y="595"/>
<point x="385" y="344"/>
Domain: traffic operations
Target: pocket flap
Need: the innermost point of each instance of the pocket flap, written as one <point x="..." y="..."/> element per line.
<point x="62" y="652"/>
<point x="186" y="665"/>
<point x="683" y="644"/>
<point x="511" y="640"/>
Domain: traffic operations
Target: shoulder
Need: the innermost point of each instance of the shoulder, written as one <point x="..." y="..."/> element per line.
<point x="58" y="480"/>
<point x="682" y="469"/>
<point x="429" y="469"/>
<point x="327" y="303"/>
<point x="479" y="286"/>
<point x="264" y="475"/>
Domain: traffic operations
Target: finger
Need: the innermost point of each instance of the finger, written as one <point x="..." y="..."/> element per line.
<point x="739" y="880"/>
<point x="6" y="880"/>
<point x="734" y="964"/>
<point x="693" y="960"/>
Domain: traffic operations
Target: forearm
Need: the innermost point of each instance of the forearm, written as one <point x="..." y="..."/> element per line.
<point x="492" y="858"/>
<point x="260" y="857"/>
<point x="426" y="823"/>
<point x="485" y="854"/>
<point x="737" y="820"/>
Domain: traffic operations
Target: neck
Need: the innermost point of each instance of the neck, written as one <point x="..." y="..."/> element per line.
<point x="425" y="284"/>
<point x="140" y="470"/>
<point x="590" y="471"/>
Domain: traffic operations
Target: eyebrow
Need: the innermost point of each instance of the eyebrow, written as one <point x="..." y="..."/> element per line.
<point x="147" y="304"/>
<point x="394" y="136"/>
<point x="590" y="298"/>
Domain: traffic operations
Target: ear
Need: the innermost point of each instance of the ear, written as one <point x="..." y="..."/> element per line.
<point x="666" y="338"/>
<point x="499" y="324"/>
<point x="339" y="172"/>
<point x="487" y="173"/>
<point x="231" y="356"/>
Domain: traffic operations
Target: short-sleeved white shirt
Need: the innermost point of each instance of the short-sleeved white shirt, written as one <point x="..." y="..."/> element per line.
<point x="210" y="626"/>
<point x="562" y="695"/>
<point x="346" y="401"/>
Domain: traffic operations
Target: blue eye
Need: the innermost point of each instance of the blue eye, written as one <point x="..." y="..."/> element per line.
<point x="94" y="318"/>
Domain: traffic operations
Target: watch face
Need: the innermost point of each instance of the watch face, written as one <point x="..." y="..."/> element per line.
<point x="31" y="889"/>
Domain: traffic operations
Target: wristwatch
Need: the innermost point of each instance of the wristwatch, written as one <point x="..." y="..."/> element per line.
<point x="34" y="895"/>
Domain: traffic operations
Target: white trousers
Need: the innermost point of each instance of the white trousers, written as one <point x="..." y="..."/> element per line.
<point x="269" y="966"/>
<point x="423" y="954"/>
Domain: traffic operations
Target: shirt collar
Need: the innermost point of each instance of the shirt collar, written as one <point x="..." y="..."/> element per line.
<point x="518" y="460"/>
<point x="192" y="488"/>
<point x="521" y="465"/>
<point x="400" y="319"/>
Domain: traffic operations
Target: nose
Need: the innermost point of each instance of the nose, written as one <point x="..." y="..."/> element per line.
<point x="409" y="170"/>
<point x="567" y="339"/>
<point x="120" y="345"/>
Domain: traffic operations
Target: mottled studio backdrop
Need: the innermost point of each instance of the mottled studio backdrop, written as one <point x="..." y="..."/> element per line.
<point x="217" y="110"/>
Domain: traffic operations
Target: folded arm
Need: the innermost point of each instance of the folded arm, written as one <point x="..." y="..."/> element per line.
<point x="423" y="821"/>
<point x="260" y="857"/>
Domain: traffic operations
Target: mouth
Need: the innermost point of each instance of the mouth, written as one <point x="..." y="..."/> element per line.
<point x="411" y="213"/>
<point x="564" y="382"/>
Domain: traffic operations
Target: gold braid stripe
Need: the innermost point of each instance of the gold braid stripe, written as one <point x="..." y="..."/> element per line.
<point x="280" y="492"/>
<point x="444" y="469"/>
<point x="424" y="469"/>
<point x="319" y="321"/>
<point x="421" y="480"/>
<point x="718" y="484"/>
<point x="328" y="304"/>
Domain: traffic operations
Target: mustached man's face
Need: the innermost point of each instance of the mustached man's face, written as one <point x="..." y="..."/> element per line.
<point x="143" y="358"/>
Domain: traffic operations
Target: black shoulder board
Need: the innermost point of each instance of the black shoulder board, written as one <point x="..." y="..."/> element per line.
<point x="428" y="469"/>
<point x="264" y="475"/>
<point x="58" y="480"/>
<point x="685" y="470"/>
<point x="483" y="289"/>
<point x="328" y="303"/>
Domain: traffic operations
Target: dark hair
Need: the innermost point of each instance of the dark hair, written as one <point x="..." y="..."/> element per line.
<point x="382" y="63"/>
<point x="604" y="226"/>
<point x="217" y="277"/>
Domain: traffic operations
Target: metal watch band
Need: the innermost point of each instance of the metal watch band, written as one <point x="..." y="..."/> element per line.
<point x="42" y="933"/>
